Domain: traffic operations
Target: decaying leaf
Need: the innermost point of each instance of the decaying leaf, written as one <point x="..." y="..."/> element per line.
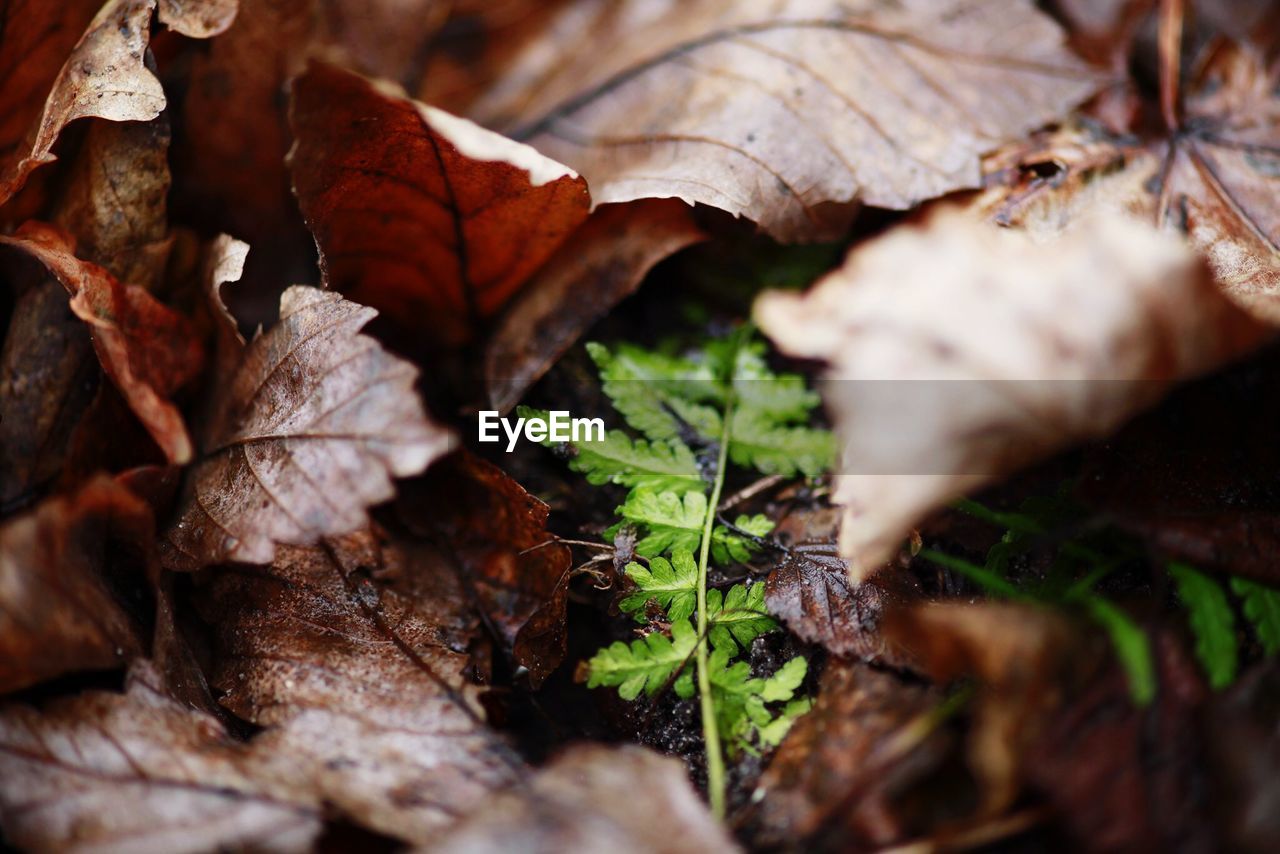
<point x="47" y="377"/>
<point x="497" y="533"/>
<point x="844" y="763"/>
<point x="354" y="655"/>
<point x="104" y="76"/>
<point x="61" y="597"/>
<point x="114" y="203"/>
<point x="1216" y="180"/>
<point x="603" y="262"/>
<point x="617" y="799"/>
<point x="422" y="215"/>
<point x="305" y="435"/>
<point x="140" y="772"/>
<point x="146" y="349"/>
<point x="958" y="351"/>
<point x="785" y="112"/>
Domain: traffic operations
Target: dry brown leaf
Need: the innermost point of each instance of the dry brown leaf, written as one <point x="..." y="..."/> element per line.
<point x="497" y="534"/>
<point x="199" y="19"/>
<point x="430" y="219"/>
<point x="1216" y="180"/>
<point x="47" y="378"/>
<point x="115" y="200"/>
<point x="845" y="763"/>
<point x="141" y="772"/>
<point x="146" y="349"/>
<point x="785" y="111"/>
<point x="63" y="584"/>
<point x="104" y="76"/>
<point x="958" y="351"/>
<point x="594" y="798"/>
<point x="354" y="655"/>
<point x="603" y="262"/>
<point x="304" y="436"/>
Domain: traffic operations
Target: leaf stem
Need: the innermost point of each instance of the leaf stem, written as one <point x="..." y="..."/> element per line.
<point x="710" y="727"/>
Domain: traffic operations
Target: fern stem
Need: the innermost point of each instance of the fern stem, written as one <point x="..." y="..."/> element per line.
<point x="710" y="727"/>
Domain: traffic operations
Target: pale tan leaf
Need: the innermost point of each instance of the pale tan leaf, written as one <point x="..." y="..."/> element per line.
<point x="594" y="798"/>
<point x="199" y="19"/>
<point x="104" y="77"/>
<point x="958" y="351"/>
<point x="354" y="655"/>
<point x="305" y="435"/>
<point x="139" y="772"/>
<point x="785" y="111"/>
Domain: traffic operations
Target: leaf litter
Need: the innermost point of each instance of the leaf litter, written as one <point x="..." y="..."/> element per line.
<point x="966" y="546"/>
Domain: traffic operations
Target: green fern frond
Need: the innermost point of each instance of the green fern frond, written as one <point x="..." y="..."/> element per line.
<point x="654" y="393"/>
<point x="1262" y="608"/>
<point x="760" y="443"/>
<point x="672" y="521"/>
<point x="731" y="547"/>
<point x="742" y="700"/>
<point x="643" y="665"/>
<point x="737" y="617"/>
<point x="1212" y="622"/>
<point x="672" y="584"/>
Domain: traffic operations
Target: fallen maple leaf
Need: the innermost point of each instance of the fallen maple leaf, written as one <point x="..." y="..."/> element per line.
<point x="422" y="215"/>
<point x="104" y="76"/>
<point x="305" y="435"/>
<point x="603" y="262"/>
<point x="785" y="112"/>
<point x="62" y="602"/>
<point x="146" y="349"/>
<point x="617" y="799"/>
<point x="141" y="772"/>
<point x="958" y="352"/>
<point x="1215" y="179"/>
<point x="354" y="656"/>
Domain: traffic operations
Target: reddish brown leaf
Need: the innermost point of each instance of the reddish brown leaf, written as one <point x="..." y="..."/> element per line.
<point x="422" y="215"/>
<point x="304" y="436"/>
<point x="785" y="112"/>
<point x="60" y="594"/>
<point x="140" y="772"/>
<point x="354" y="655"/>
<point x="497" y="532"/>
<point x="104" y="76"/>
<point x="146" y="350"/>
<point x="603" y="262"/>
<point x="617" y="799"/>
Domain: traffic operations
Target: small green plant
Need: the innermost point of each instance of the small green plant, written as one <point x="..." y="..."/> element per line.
<point x="1081" y="562"/>
<point x="697" y="414"/>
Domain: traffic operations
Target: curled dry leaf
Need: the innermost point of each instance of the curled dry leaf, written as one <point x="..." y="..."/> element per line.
<point x="784" y="112"/>
<point x="199" y="19"/>
<point x="958" y="352"/>
<point x="844" y="764"/>
<point x="141" y="772"/>
<point x="60" y="601"/>
<point x="305" y="435"/>
<point x="1215" y="180"/>
<point x="422" y="215"/>
<point x="104" y="76"/>
<point x="224" y="265"/>
<point x="497" y="532"/>
<point x="146" y="349"/>
<point x="355" y="658"/>
<point x="603" y="262"/>
<point x="618" y="799"/>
